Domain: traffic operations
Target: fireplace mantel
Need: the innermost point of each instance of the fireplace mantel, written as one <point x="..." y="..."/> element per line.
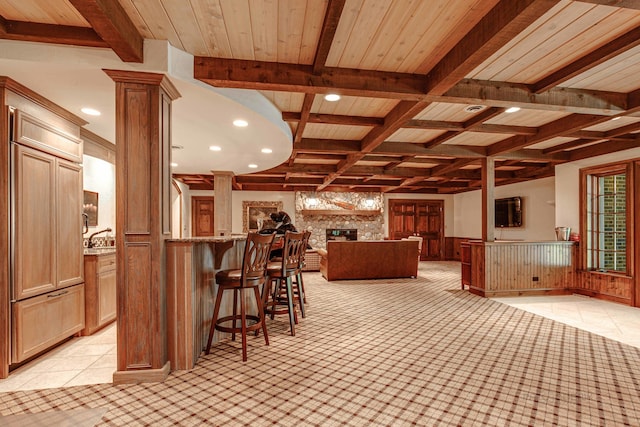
<point x="368" y="212"/>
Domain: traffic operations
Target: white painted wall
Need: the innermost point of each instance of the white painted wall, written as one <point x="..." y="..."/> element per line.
<point x="538" y="197"/>
<point x="448" y="209"/>
<point x="237" y="197"/>
<point x="100" y="176"/>
<point x="568" y="185"/>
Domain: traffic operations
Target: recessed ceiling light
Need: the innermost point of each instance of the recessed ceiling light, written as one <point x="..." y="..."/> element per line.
<point x="215" y="148"/>
<point x="267" y="150"/>
<point x="90" y="111"/>
<point x="240" y="123"/>
<point x="253" y="166"/>
<point x="616" y="118"/>
<point x="512" y="109"/>
<point x="332" y="97"/>
<point x="173" y="164"/>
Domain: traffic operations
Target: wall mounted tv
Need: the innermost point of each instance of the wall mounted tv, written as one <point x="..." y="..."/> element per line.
<point x="508" y="212"/>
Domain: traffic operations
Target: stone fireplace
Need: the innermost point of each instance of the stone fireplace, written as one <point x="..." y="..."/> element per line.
<point x="318" y="212"/>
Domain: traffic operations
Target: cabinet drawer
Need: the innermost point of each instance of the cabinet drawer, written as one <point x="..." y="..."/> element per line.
<point x="106" y="263"/>
<point x="45" y="320"/>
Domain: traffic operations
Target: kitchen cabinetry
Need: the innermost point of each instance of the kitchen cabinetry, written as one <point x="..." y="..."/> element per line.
<point x="42" y="321"/>
<point x="48" y="209"/>
<point x="100" y="291"/>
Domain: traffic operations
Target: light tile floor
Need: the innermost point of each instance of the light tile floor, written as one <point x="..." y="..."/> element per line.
<point x="79" y="361"/>
<point x="92" y="360"/>
<point x="609" y="319"/>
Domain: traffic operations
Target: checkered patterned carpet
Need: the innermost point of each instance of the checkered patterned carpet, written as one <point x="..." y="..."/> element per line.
<point x="385" y="353"/>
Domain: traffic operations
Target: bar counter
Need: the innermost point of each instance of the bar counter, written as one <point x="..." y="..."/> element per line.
<point x="191" y="268"/>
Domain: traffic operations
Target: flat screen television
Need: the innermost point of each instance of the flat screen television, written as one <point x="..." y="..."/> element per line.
<point x="508" y="212"/>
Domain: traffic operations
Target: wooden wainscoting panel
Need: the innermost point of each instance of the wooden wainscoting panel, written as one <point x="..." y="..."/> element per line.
<point x="528" y="266"/>
<point x="610" y="287"/>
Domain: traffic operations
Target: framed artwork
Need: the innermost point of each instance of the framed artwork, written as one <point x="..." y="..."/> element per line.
<point x="90" y="207"/>
<point x="256" y="213"/>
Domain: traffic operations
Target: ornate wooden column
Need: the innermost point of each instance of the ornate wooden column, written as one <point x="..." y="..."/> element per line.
<point x="488" y="199"/>
<point x="143" y="222"/>
<point x="222" y="184"/>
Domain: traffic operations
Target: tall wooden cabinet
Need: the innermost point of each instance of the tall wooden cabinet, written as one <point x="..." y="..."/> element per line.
<point x="48" y="212"/>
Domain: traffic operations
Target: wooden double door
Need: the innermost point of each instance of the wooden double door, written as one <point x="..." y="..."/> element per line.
<point x="423" y="218"/>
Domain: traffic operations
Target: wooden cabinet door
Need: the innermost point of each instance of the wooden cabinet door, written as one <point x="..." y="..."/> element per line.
<point x="35" y="223"/>
<point x="70" y="264"/>
<point x="424" y="218"/>
<point x="202" y="216"/>
<point x="107" y="296"/>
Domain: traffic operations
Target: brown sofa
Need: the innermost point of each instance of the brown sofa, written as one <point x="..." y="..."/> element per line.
<point x="369" y="259"/>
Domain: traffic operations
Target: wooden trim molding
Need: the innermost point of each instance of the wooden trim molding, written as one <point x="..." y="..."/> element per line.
<point x="98" y="147"/>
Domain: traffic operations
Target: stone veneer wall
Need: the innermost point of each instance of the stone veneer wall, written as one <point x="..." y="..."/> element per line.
<point x="370" y="227"/>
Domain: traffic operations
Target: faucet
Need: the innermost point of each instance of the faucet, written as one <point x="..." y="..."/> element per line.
<point x="91" y="244"/>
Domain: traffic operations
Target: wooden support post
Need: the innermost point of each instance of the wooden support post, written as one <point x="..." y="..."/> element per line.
<point x="143" y="222"/>
<point x="488" y="199"/>
<point x="222" y="184"/>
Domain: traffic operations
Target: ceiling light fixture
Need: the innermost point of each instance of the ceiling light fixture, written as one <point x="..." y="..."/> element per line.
<point x="253" y="166"/>
<point x="240" y="123"/>
<point x="215" y="148"/>
<point x="90" y="111"/>
<point x="267" y="150"/>
<point x="474" y="108"/>
<point x="512" y="110"/>
<point x="616" y="118"/>
<point x="173" y="164"/>
<point x="332" y="97"/>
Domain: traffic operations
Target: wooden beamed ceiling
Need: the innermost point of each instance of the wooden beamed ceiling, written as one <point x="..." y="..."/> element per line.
<point x="425" y="88"/>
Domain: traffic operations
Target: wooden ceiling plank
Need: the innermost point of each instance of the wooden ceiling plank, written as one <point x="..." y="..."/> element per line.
<point x="505" y="21"/>
<point x="610" y="50"/>
<point x="626" y="4"/>
<point x="567" y="146"/>
<point x="114" y="26"/>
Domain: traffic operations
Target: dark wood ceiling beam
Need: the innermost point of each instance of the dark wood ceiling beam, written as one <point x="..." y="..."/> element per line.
<point x="245" y="74"/>
<point x="48" y="33"/>
<point x="602" y="148"/>
<point x="506" y="20"/>
<point x="334" y="119"/>
<point x="441" y="139"/>
<point x="328" y="32"/>
<point x="567" y="146"/>
<point x="502" y="94"/>
<point x="114" y="26"/>
<point x="482" y="117"/>
<point x="440" y="170"/>
<point x="616" y="47"/>
<point x="556" y="128"/>
<point x="459" y="126"/>
<point x="327" y="146"/>
<point x="597" y="135"/>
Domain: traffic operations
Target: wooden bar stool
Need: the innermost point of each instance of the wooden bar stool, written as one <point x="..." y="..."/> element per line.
<point x="252" y="276"/>
<point x="280" y="299"/>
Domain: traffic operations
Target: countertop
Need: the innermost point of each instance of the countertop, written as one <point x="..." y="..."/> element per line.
<point x="207" y="239"/>
<point x="99" y="251"/>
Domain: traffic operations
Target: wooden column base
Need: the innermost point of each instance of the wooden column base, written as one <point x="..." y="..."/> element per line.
<point x="142" y="376"/>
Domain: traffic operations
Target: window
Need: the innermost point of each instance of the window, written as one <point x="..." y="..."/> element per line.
<point x="606" y="220"/>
